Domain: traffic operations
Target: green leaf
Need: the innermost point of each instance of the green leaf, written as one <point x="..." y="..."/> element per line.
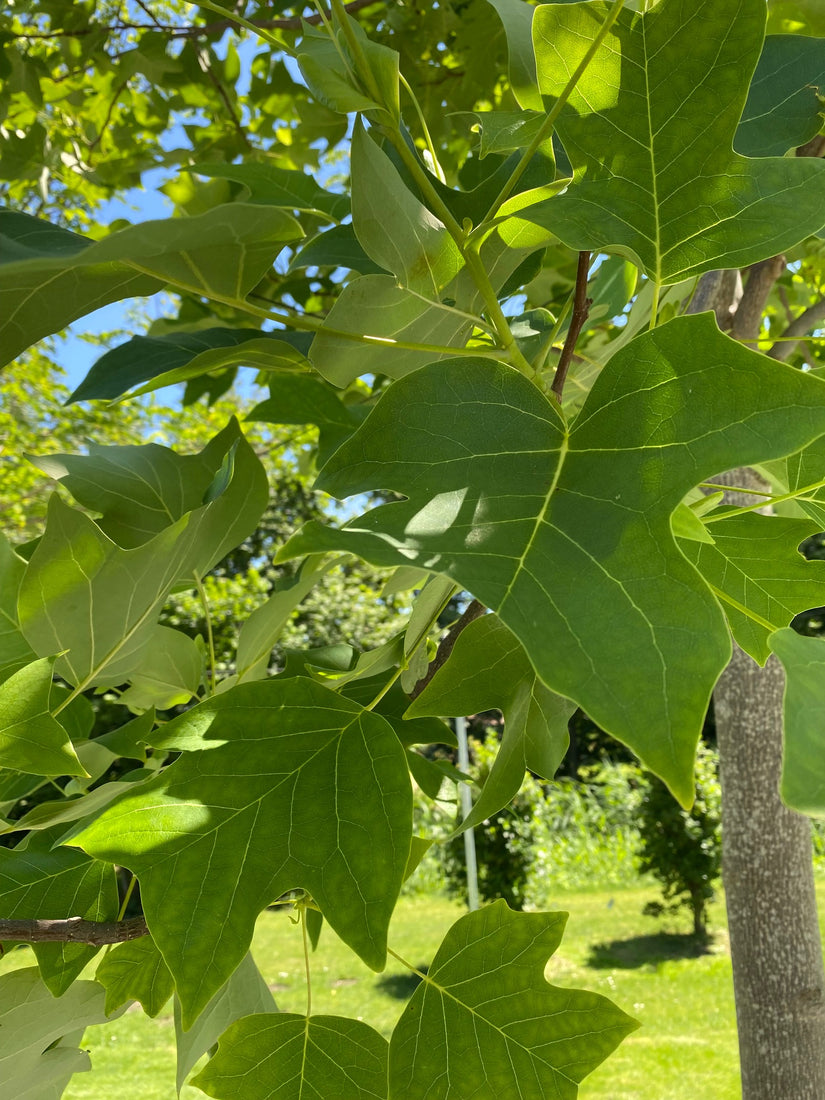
<point x="166" y="360"/>
<point x="37" y="1055"/>
<point x="135" y="971"/>
<point x="287" y="1057"/>
<point x="755" y="568"/>
<point x="506" y="131"/>
<point x="31" y="740"/>
<point x="336" y="247"/>
<point x="47" y="814"/>
<point x="283" y="784"/>
<point x="544" y="525"/>
<point x="272" y="186"/>
<point x="307" y="399"/>
<point x="655" y="177"/>
<point x="15" y="651"/>
<point x="243" y="994"/>
<point x="49" y="277"/>
<point x="784" y="108"/>
<point x="517" y="20"/>
<point x="803" y="760"/>
<point x="375" y="306"/>
<point x="488" y="669"/>
<point x="394" y="228"/>
<point x="510" y="1032"/>
<point x="169" y="674"/>
<point x="53" y="884"/>
<point x="328" y="75"/>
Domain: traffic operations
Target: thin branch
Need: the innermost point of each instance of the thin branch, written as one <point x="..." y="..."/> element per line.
<point x="205" y="63"/>
<point x="293" y="23"/>
<point x="473" y="611"/>
<point x="73" y="930"/>
<point x="581" y="309"/>
<point x="800" y="327"/>
<point x="105" y="126"/>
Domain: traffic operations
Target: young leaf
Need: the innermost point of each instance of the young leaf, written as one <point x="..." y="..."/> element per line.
<point x="31" y="740"/>
<point x="544" y="525"/>
<point x="288" y="1057"/>
<point x="510" y="1032"/>
<point x="243" y="994"/>
<point x="755" y="568"/>
<point x="48" y="883"/>
<point x="487" y="670"/>
<point x="283" y="784"/>
<point x="643" y="133"/>
<point x="135" y="971"/>
<point x="164" y="360"/>
<point x="784" y="107"/>
<point x="50" y="277"/>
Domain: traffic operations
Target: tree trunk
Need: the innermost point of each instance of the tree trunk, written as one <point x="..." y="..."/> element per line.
<point x="769" y="889"/>
<point x="767" y="866"/>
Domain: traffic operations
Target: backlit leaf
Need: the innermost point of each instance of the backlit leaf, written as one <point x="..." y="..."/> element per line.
<point x="510" y="1032"/>
<point x="31" y="740"/>
<point x="135" y="971"/>
<point x="283" y="784"/>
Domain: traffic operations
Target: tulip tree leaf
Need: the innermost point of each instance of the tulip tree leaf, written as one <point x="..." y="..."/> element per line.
<point x="336" y="247"/>
<point x="307" y="399"/>
<point x="15" y="651"/>
<point x="287" y="1057"/>
<point x="245" y="993"/>
<point x="154" y="361"/>
<point x="784" y="108"/>
<point x="49" y="277"/>
<point x="394" y="228"/>
<point x="803" y="760"/>
<point x="488" y="669"/>
<point x="52" y="884"/>
<point x="649" y="129"/>
<point x="169" y="673"/>
<point x="510" y="1032"/>
<point x="272" y="186"/>
<point x="285" y="784"/>
<point x="31" y="740"/>
<point x="761" y="579"/>
<point x="37" y="1057"/>
<point x="376" y="306"/>
<point x="135" y="971"/>
<point x="543" y="524"/>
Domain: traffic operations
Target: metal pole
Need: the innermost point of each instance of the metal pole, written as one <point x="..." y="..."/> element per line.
<point x="466" y="803"/>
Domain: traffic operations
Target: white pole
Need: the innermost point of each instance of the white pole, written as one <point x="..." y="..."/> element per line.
<point x="466" y="802"/>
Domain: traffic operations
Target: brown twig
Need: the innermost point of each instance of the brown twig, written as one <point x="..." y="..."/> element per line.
<point x="73" y="930"/>
<point x="292" y="23"/>
<point x="581" y="308"/>
<point x="473" y="611"/>
<point x="205" y="63"/>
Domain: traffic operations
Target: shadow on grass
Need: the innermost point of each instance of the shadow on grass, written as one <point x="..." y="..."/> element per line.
<point x="637" y="951"/>
<point x="401" y="986"/>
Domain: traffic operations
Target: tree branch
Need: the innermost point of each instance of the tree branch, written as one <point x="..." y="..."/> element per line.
<point x="748" y="317"/>
<point x="293" y="23"/>
<point x="73" y="930"/>
<point x="473" y="611"/>
<point x="581" y="308"/>
<point x="800" y="326"/>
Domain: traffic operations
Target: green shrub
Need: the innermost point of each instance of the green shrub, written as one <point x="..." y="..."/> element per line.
<point x="683" y="848"/>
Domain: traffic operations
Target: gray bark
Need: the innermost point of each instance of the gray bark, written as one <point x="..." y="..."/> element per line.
<point x="767" y="866"/>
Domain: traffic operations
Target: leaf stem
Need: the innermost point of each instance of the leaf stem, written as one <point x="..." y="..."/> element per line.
<point x="210" y="638"/>
<point x="121" y="913"/>
<point x="796" y="494"/>
<point x="307" y="969"/>
<point x="546" y="128"/>
<point x="424" y="128"/>
<point x="581" y="309"/>
<point x="409" y="966"/>
<point x="233" y="17"/>
<point x="654" y="305"/>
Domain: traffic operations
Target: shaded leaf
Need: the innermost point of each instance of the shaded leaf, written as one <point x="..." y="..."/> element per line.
<point x="510" y="1032"/>
<point x="336" y="247"/>
<point x="31" y="740"/>
<point x="243" y="994"/>
<point x="15" y="651"/>
<point x="642" y="133"/>
<point x="169" y="673"/>
<point x="544" y="525"/>
<point x="53" y="884"/>
<point x="803" y="760"/>
<point x="272" y="186"/>
<point x="135" y="971"/>
<point x="488" y="669"/>
<point x="784" y="108"/>
<point x="178" y="356"/>
<point x="287" y="1057"/>
<point x="49" y="277"/>
<point x="307" y="399"/>
<point x="283" y="784"/>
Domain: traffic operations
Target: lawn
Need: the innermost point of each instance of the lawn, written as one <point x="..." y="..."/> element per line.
<point x="685" y="1048"/>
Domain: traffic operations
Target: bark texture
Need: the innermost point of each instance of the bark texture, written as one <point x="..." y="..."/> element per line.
<point x="767" y="865"/>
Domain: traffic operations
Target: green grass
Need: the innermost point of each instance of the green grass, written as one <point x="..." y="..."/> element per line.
<point x="685" y="1048"/>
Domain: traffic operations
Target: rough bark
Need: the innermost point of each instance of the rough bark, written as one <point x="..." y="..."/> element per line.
<point x="767" y="866"/>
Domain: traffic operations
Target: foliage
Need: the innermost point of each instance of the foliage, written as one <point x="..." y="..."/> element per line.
<point x="683" y="848"/>
<point x="430" y="319"/>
